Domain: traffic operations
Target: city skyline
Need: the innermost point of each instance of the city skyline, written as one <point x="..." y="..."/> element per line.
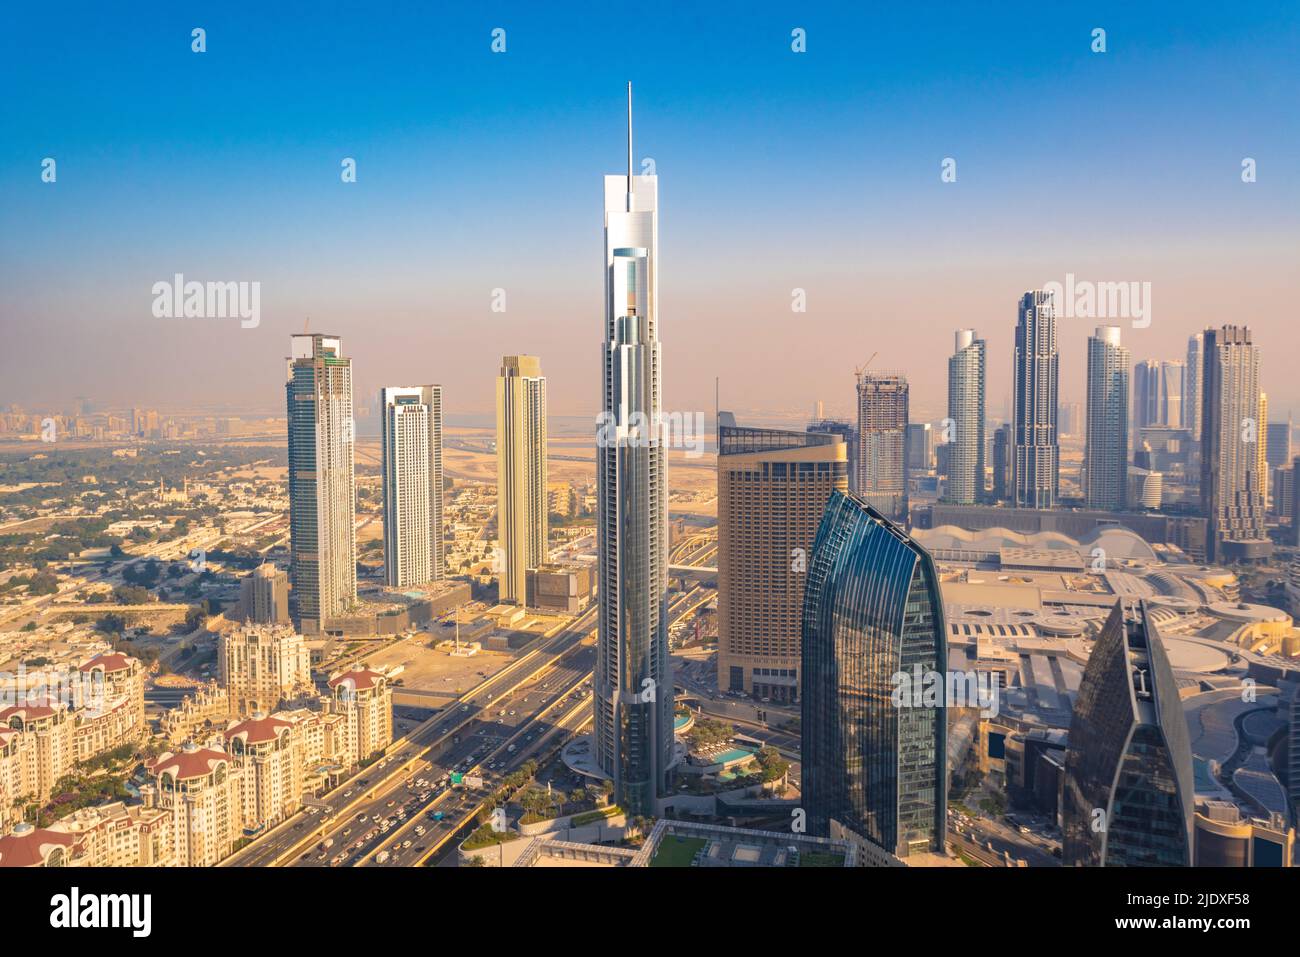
<point x="375" y="267"/>
<point x="1011" y="583"/>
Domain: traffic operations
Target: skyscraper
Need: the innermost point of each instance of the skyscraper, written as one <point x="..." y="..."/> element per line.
<point x="1231" y="486"/>
<point x="1128" y="784"/>
<point x="633" y="678"/>
<point x="1105" y="456"/>
<point x="1173" y="388"/>
<point x="882" y="442"/>
<point x="322" y="489"/>
<point x="772" y="489"/>
<point x="411" y="463"/>
<point x="1036" y="459"/>
<point x="1003" y="446"/>
<point x="1146" y="393"/>
<point x="1192" y="390"/>
<point x="966" y="410"/>
<point x="522" y="515"/>
<point x="872" y="612"/>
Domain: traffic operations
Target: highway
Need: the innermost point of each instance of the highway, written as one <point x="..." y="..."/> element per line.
<point x="429" y="741"/>
<point x="481" y="748"/>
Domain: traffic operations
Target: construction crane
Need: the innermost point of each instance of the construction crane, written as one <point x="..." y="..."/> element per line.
<point x="863" y="368"/>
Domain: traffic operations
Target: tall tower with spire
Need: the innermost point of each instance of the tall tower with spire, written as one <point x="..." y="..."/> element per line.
<point x="633" y="682"/>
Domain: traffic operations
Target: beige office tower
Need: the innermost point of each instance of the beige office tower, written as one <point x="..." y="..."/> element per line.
<point x="1231" y="484"/>
<point x="772" y="489"/>
<point x="411" y="463"/>
<point x="521" y="474"/>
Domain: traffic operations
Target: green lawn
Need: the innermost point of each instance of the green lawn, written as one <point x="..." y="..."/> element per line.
<point x="821" y="859"/>
<point x="677" y="851"/>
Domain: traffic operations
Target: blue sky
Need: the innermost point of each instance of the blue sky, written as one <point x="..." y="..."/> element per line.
<point x="777" y="170"/>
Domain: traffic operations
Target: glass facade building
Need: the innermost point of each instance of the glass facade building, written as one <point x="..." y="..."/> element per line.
<point x="633" y="700"/>
<point x="872" y="612"/>
<point x="1128" y="786"/>
<point x="322" y="487"/>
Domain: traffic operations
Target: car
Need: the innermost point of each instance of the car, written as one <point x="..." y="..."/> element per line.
<point x="347" y="831"/>
<point x="390" y="804"/>
<point x="406" y="844"/>
<point x="363" y="818"/>
<point x="347" y="793"/>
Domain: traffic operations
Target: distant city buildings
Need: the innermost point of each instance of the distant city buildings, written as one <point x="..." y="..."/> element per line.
<point x="1105" y="457"/>
<point x="874" y="764"/>
<point x="522" y="500"/>
<point x="1003" y="462"/>
<point x="633" y="701"/>
<point x="1194" y="388"/>
<point x="1036" y="454"/>
<point x="966" y="380"/>
<point x="322" y="488"/>
<point x="1158" y="391"/>
<point x="772" y="489"/>
<point x="1128" y="784"/>
<point x="411" y="464"/>
<point x="1232" y="492"/>
<point x="882" y="442"/>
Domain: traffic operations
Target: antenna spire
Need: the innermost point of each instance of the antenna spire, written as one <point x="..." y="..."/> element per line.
<point x="629" y="146"/>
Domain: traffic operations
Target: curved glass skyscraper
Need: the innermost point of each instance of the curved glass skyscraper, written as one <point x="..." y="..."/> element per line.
<point x="633" y="682"/>
<point x="1128" y="787"/>
<point x="872" y="612"/>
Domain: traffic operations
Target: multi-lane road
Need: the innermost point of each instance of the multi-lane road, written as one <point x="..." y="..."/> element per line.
<point x="446" y="739"/>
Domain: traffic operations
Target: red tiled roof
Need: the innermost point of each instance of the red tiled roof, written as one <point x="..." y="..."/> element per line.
<point x="189" y="764"/>
<point x="257" y="730"/>
<point x="109" y="662"/>
<point x="26" y="711"/>
<point x="29" y="850"/>
<point x="359" y="679"/>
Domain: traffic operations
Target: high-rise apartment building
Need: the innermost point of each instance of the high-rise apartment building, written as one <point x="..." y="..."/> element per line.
<point x="1231" y="485"/>
<point x="772" y="489"/>
<point x="873" y="766"/>
<point x="322" y="487"/>
<point x="1036" y="457"/>
<point x="633" y="741"/>
<point x="262" y="665"/>
<point x="1159" y="388"/>
<point x="966" y="372"/>
<point x="522" y="512"/>
<point x="411" y="463"/>
<point x="203" y="791"/>
<point x="1193" y="389"/>
<point x="364" y="697"/>
<point x="920" y="448"/>
<point x="264" y="596"/>
<point x="882" y="442"/>
<point x="268" y="751"/>
<point x="1105" y="456"/>
<point x="1128" y="786"/>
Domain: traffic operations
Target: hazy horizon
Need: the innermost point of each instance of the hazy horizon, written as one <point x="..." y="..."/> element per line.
<point x="778" y="171"/>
